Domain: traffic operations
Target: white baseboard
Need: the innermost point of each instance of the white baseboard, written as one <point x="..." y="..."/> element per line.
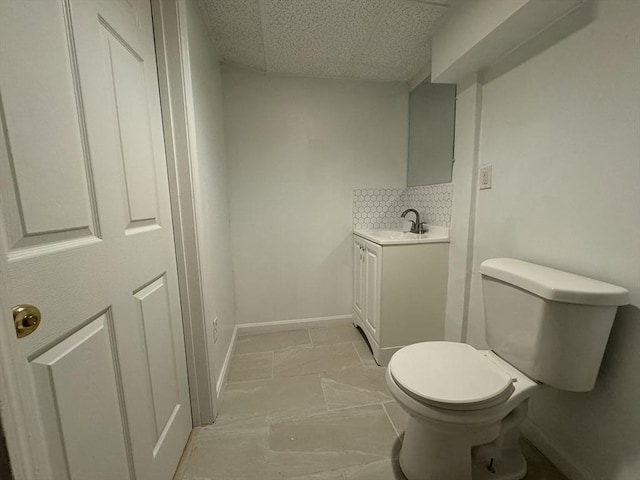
<point x="222" y="379"/>
<point x="297" y="324"/>
<point x="550" y="450"/>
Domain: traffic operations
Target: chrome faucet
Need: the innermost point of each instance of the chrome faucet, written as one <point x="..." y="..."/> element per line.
<point x="416" y="226"/>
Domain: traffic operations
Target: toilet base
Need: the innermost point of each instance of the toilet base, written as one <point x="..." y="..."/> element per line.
<point x="502" y="459"/>
<point x="511" y="466"/>
<point x="439" y="451"/>
<point x="434" y="451"/>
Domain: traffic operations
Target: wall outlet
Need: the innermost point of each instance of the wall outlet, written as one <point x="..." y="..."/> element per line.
<point x="485" y="177"/>
<point x="215" y="330"/>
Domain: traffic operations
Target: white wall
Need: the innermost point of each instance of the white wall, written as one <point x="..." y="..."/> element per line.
<point x="210" y="178"/>
<point x="562" y="131"/>
<point x="297" y="147"/>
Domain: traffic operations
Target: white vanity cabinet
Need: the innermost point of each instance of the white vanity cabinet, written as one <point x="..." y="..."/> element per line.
<point x="399" y="293"/>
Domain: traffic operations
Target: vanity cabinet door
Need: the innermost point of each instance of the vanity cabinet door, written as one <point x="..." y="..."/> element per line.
<point x="372" y="280"/>
<point x="358" y="277"/>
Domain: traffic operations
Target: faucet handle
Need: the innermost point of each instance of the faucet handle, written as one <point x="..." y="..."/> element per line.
<point x="423" y="228"/>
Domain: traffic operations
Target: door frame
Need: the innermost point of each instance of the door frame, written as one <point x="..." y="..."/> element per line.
<point x="177" y="116"/>
<point x="178" y="120"/>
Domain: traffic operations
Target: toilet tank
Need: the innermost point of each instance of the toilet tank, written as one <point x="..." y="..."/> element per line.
<point x="551" y="325"/>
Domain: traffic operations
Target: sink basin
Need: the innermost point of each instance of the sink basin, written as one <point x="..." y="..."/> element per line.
<point x="396" y="235"/>
<point x="392" y="236"/>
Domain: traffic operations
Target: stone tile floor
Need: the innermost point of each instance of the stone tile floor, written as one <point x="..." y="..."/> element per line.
<point x="308" y="405"/>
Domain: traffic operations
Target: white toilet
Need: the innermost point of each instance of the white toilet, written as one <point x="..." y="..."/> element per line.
<point x="465" y="405"/>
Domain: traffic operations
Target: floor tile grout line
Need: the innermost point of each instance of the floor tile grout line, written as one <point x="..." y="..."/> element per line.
<point x="276" y="377"/>
<point x="280" y="350"/>
<point x="324" y="395"/>
<point x="315" y="414"/>
<point x="349" y="407"/>
<point x="353" y="345"/>
<point x="242" y="382"/>
<point x="358" y="353"/>
<point x="390" y="421"/>
<point x="311" y="338"/>
<point x="335" y="344"/>
<point x="250" y="353"/>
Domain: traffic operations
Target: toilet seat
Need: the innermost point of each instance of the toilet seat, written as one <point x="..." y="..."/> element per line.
<point x="450" y="375"/>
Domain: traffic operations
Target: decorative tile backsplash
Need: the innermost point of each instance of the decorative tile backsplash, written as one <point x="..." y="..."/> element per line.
<point x="433" y="202"/>
<point x="381" y="207"/>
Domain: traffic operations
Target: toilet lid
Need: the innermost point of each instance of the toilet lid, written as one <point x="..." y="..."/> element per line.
<point x="450" y="375"/>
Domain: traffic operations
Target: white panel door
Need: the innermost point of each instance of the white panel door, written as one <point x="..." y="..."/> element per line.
<point x="87" y="238"/>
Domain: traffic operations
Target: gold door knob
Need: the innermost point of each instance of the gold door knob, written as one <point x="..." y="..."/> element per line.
<point x="26" y="319"/>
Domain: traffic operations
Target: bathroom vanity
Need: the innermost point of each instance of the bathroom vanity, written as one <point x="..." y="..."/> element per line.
<point x="399" y="287"/>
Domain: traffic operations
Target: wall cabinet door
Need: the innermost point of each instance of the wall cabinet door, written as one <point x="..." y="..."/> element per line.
<point x="367" y="279"/>
<point x="372" y="274"/>
<point x="358" y="278"/>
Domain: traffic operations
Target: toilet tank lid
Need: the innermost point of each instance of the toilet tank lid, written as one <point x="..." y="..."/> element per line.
<point x="554" y="284"/>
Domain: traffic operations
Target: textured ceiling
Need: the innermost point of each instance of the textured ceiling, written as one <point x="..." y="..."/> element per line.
<point x="384" y="40"/>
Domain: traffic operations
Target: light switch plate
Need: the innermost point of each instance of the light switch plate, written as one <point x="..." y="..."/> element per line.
<point x="485" y="177"/>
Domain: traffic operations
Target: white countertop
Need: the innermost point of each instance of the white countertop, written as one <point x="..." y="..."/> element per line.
<point x="395" y="236"/>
